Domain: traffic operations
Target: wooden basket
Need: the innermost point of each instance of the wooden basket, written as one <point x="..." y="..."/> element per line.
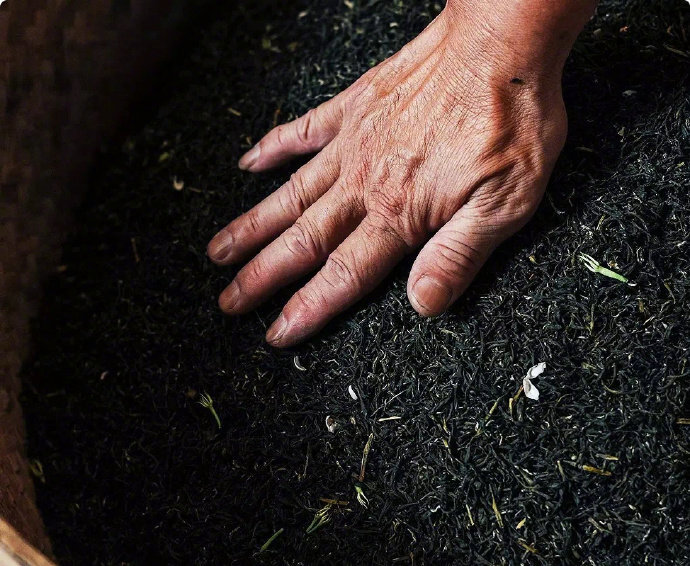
<point x="68" y="72"/>
<point x="15" y="551"/>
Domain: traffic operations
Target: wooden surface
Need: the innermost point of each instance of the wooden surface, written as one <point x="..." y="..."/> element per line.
<point x="15" y="551"/>
<point x="68" y="71"/>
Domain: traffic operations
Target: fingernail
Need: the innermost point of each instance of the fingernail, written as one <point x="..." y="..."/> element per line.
<point x="432" y="295"/>
<point x="229" y="297"/>
<point x="278" y="328"/>
<point x="221" y="250"/>
<point x="249" y="158"/>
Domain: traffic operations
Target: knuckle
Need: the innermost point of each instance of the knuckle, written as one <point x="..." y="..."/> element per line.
<point x="307" y="300"/>
<point x="521" y="208"/>
<point x="356" y="180"/>
<point x="248" y="222"/>
<point x="535" y="163"/>
<point x="339" y="272"/>
<point x="302" y="241"/>
<point x="393" y="219"/>
<point x="395" y="181"/>
<point x="390" y="203"/>
<point x="406" y="55"/>
<point x="455" y="257"/>
<point x="303" y="127"/>
<point x="514" y="204"/>
<point x="360" y="89"/>
<point x="396" y="64"/>
<point x="385" y="228"/>
<point x="279" y="134"/>
<point x="509" y="200"/>
<point x="293" y="199"/>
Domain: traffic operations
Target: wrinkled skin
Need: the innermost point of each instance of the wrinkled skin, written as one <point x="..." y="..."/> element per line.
<point x="447" y="146"/>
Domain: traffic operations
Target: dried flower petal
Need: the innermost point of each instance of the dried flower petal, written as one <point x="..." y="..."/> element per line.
<point x="536" y="371"/>
<point x="531" y="391"/>
<point x="331" y="423"/>
<point x="352" y="392"/>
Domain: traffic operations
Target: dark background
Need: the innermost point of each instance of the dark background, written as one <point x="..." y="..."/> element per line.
<point x="135" y="470"/>
<point x="69" y="72"/>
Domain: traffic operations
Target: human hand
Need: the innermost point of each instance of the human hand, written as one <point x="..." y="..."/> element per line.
<point x="448" y="144"/>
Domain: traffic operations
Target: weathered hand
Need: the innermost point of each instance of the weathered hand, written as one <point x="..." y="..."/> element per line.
<point x="452" y="140"/>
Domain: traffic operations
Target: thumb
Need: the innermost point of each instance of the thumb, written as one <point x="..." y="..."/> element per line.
<point x="449" y="261"/>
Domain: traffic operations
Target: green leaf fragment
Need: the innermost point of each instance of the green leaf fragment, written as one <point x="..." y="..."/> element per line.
<point x="594" y="266"/>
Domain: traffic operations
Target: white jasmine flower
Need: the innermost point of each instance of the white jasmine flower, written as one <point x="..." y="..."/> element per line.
<point x="529" y="388"/>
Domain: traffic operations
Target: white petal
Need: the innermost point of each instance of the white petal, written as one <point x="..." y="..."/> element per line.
<point x="531" y="391"/>
<point x="331" y="423"/>
<point x="537" y="370"/>
<point x="352" y="392"/>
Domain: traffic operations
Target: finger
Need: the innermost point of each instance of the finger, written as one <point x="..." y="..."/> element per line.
<point x="276" y="212"/>
<point x="449" y="261"/>
<point x="307" y="134"/>
<point x="351" y="271"/>
<point x="300" y="249"/>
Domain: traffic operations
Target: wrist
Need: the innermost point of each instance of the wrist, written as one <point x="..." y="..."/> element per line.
<point x="530" y="39"/>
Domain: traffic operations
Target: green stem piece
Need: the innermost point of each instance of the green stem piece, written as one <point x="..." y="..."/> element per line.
<point x="206" y="401"/>
<point x="265" y="546"/>
<point x="594" y="266"/>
